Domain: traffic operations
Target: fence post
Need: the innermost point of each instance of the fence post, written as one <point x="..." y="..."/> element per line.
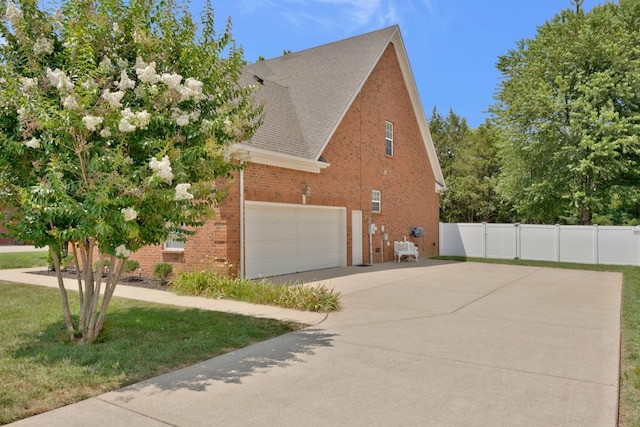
<point x="557" y="242"/>
<point x="484" y="240"/>
<point x="596" y="255"/>
<point x="518" y="240"/>
<point x="636" y="232"/>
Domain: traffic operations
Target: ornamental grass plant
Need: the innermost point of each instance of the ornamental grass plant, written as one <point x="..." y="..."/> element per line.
<point x="295" y="296"/>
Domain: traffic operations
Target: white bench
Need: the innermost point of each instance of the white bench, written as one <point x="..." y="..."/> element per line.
<point x="401" y="249"/>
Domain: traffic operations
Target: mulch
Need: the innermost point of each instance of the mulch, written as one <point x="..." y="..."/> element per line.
<point x="137" y="281"/>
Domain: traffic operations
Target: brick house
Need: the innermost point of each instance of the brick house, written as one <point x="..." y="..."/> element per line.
<point x="344" y="144"/>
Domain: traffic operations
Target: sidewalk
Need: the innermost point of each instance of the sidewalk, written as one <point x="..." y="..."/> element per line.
<point x="25" y="275"/>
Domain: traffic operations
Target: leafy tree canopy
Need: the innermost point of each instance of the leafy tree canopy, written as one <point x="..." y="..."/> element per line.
<point x="568" y="111"/>
<point x="470" y="166"/>
<point x="116" y="119"/>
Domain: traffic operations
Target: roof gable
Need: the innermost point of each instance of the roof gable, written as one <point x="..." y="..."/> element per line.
<point x="314" y="88"/>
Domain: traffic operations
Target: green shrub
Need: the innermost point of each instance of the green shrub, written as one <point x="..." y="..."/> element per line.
<point x="299" y="297"/>
<point x="97" y="264"/>
<point x="162" y="271"/>
<point x="68" y="262"/>
<point x="50" y="264"/>
<point x="64" y="262"/>
<point x="131" y="265"/>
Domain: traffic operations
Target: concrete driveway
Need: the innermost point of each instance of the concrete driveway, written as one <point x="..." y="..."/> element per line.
<point x="427" y="344"/>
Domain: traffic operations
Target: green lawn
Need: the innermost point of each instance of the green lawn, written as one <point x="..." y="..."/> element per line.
<point x="39" y="372"/>
<point x="629" y="405"/>
<point x="23" y="260"/>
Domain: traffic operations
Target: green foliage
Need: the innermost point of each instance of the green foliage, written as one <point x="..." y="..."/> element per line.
<point x="131" y="265"/>
<point x="40" y="372"/>
<point x="105" y="265"/>
<point x="569" y="115"/>
<point x="162" y="270"/>
<point x="299" y="297"/>
<point x="68" y="262"/>
<point x="470" y="167"/>
<point x="116" y="122"/>
<point x="50" y="265"/>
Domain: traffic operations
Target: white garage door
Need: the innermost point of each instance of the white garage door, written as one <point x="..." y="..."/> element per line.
<point x="284" y="238"/>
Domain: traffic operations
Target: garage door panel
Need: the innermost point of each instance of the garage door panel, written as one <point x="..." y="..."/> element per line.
<point x="275" y="249"/>
<point x="281" y="239"/>
<point x="270" y="232"/>
<point x="318" y="233"/>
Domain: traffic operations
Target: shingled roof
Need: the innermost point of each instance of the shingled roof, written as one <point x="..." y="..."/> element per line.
<point x="307" y="93"/>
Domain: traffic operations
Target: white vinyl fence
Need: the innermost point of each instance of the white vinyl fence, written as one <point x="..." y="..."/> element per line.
<point x="567" y="243"/>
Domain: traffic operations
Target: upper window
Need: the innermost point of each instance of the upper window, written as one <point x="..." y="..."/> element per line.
<point x="388" y="139"/>
<point x="375" y="201"/>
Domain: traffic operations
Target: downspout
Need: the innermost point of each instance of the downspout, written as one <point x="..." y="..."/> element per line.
<point x="370" y="243"/>
<point x="242" y="223"/>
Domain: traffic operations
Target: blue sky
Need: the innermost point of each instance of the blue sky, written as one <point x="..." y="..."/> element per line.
<point x="452" y="45"/>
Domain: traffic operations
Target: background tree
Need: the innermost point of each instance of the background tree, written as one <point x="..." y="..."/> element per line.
<point x="470" y="166"/>
<point x="568" y="111"/>
<point x="116" y="118"/>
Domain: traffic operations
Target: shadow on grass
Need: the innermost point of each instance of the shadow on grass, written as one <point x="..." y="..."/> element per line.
<point x="142" y="342"/>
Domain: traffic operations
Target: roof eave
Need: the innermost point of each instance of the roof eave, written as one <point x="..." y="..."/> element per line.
<point x="280" y="160"/>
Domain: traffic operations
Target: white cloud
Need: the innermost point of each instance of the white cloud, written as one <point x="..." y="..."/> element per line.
<point x="342" y="17"/>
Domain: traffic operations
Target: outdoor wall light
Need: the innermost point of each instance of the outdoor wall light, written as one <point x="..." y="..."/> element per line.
<point x="306" y="190"/>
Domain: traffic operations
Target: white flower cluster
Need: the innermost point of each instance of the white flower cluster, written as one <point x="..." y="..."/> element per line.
<point x="206" y="125"/>
<point x="182" y="192"/>
<point x="59" y="80"/>
<point x="122" y="251"/>
<point x="192" y="89"/>
<point x="147" y="73"/>
<point x="43" y="46"/>
<point x="22" y="114"/>
<point x="129" y="214"/>
<point x="181" y="117"/>
<point x="92" y="122"/>
<point x="130" y="120"/>
<point x="70" y="102"/>
<point x="232" y="129"/>
<point x="113" y="98"/>
<point x="172" y="80"/>
<point x="33" y="143"/>
<point x="162" y="169"/>
<point x="13" y="14"/>
<point x="125" y="82"/>
<point x="105" y="132"/>
<point x="28" y="83"/>
<point x="106" y="64"/>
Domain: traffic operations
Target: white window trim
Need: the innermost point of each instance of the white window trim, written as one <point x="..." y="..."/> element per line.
<point x="375" y="193"/>
<point x="168" y="246"/>
<point x="174" y="245"/>
<point x="388" y="140"/>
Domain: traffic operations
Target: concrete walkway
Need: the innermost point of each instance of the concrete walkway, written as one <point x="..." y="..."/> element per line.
<point x="417" y="344"/>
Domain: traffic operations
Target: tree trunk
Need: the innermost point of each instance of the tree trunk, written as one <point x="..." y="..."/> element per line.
<point x="93" y="305"/>
<point x="63" y="294"/>
<point x="584" y="215"/>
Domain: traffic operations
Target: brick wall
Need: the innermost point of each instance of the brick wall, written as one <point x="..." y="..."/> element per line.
<point x="359" y="164"/>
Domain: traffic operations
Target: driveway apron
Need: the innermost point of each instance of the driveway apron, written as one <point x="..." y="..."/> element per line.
<point x="426" y="344"/>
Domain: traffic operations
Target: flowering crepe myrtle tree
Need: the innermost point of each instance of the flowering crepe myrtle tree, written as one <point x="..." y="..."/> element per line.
<point x="116" y="120"/>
